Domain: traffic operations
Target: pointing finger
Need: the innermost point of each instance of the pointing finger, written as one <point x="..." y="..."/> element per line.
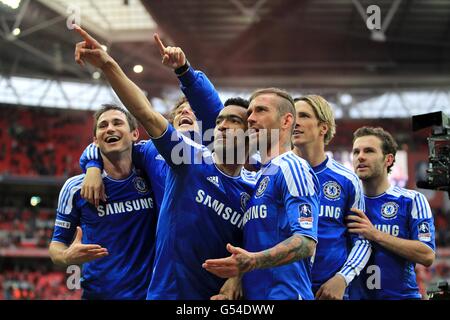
<point x="86" y="36"/>
<point x="158" y="41"/>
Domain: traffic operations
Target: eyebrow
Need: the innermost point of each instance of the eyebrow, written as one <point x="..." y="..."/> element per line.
<point x="112" y="120"/>
<point x="365" y="148"/>
<point x="229" y="117"/>
<point x="180" y="109"/>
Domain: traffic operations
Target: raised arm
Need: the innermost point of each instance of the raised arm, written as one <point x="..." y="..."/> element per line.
<point x="90" y="51"/>
<point x="198" y="89"/>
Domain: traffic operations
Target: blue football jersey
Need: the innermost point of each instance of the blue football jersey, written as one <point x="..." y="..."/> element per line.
<point x="201" y="212"/>
<point x="401" y="213"/>
<point x="125" y="225"/>
<point x="337" y="250"/>
<point x="203" y="99"/>
<point x="206" y="104"/>
<point x="286" y="202"/>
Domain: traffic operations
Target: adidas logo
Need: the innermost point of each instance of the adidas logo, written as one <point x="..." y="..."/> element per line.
<point x="214" y="180"/>
<point x="159" y="157"/>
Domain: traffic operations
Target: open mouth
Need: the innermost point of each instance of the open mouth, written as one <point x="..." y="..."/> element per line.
<point x="295" y="132"/>
<point x="112" y="139"/>
<point x="186" y="121"/>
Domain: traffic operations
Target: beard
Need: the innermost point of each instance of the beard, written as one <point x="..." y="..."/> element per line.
<point x="374" y="172"/>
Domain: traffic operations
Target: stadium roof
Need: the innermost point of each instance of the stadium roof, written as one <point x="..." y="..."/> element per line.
<point x="321" y="46"/>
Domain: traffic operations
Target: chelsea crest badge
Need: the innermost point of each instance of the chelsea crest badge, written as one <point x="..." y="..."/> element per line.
<point x="140" y="185"/>
<point x="389" y="210"/>
<point x="332" y="190"/>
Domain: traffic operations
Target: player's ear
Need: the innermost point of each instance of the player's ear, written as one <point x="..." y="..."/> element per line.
<point x="135" y="135"/>
<point x="95" y="140"/>
<point x="288" y="120"/>
<point x="389" y="159"/>
<point x="323" y="128"/>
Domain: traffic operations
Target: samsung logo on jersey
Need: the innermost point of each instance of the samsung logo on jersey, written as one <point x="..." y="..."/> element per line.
<point x="125" y="206"/>
<point x="330" y="212"/>
<point x="393" y="230"/>
<point x="255" y="212"/>
<point x="223" y="211"/>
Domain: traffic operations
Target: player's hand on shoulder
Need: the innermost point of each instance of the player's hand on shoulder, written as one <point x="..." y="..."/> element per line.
<point x="360" y="224"/>
<point x="93" y="188"/>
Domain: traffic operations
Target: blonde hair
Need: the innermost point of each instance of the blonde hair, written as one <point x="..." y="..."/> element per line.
<point x="323" y="112"/>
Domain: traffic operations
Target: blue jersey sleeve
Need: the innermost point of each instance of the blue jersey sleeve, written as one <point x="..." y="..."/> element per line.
<point x="421" y="224"/>
<point x="68" y="213"/>
<point x="202" y="96"/>
<point x="141" y="153"/>
<point x="299" y="187"/>
<point x="361" y="248"/>
<point x="355" y="200"/>
<point x="356" y="260"/>
<point x="356" y="195"/>
<point x="178" y="150"/>
<point x="91" y="158"/>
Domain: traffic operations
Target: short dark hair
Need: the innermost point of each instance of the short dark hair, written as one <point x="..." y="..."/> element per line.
<point x="388" y="144"/>
<point x="132" y="122"/>
<point x="178" y="103"/>
<point x="288" y="104"/>
<point x="237" y="101"/>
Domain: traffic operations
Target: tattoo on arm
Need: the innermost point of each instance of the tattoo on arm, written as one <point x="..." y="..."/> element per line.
<point x="245" y="263"/>
<point x="292" y="249"/>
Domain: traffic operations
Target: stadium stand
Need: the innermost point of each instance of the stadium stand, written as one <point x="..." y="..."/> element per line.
<point x="39" y="142"/>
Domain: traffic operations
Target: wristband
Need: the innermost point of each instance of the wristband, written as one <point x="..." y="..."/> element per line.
<point x="183" y="69"/>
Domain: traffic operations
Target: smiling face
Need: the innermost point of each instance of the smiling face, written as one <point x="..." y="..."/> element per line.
<point x="184" y="118"/>
<point x="113" y="133"/>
